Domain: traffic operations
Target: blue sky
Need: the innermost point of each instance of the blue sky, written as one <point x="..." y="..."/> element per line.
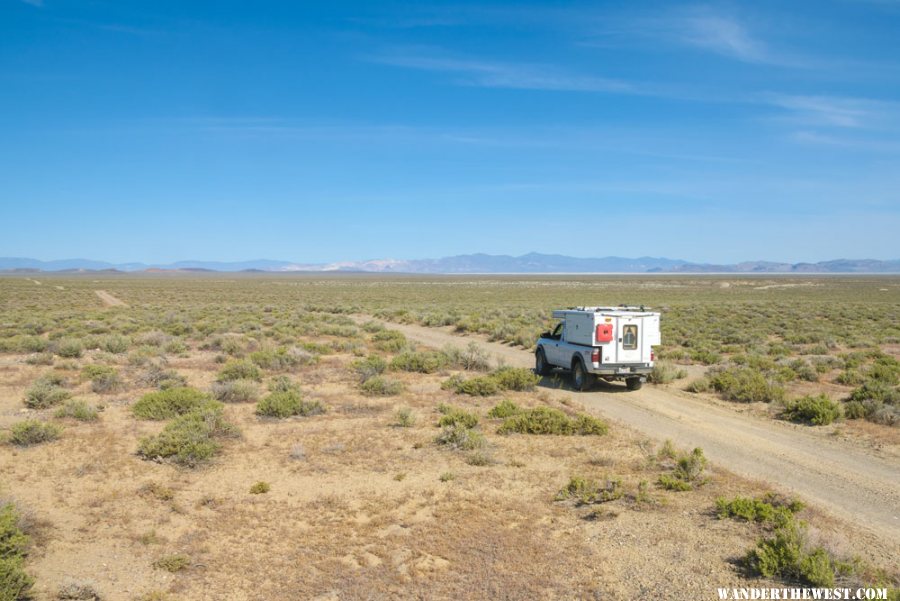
<point x="327" y="131"/>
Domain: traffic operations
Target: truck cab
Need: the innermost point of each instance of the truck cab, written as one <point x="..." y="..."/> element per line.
<point x="612" y="343"/>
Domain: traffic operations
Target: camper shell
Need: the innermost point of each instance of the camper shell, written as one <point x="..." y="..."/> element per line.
<point x="613" y="343"/>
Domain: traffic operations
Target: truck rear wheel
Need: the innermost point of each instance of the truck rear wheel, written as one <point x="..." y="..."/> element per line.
<point x="541" y="367"/>
<point x="633" y="383"/>
<point x="581" y="379"/>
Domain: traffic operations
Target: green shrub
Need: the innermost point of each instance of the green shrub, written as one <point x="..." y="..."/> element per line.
<point x="689" y="468"/>
<point x="282" y="358"/>
<point x="390" y="341"/>
<point x="79" y="410"/>
<point x="876" y="391"/>
<point x="189" y="439"/>
<point x="46" y="392"/>
<point x="283" y="384"/>
<point x="15" y="583"/>
<point x="40" y="359"/>
<point x="818" y="410"/>
<point x="546" y="420"/>
<point x="515" y="378"/>
<point x="104" y="379"/>
<point x="457" y="417"/>
<point x="425" y="362"/>
<point x="70" y="348"/>
<point x="31" y="432"/>
<point x="472" y="358"/>
<point x="664" y="372"/>
<point x="850" y="377"/>
<point x="236" y="391"/>
<point x="115" y="344"/>
<point x="587" y="490"/>
<point x="745" y="385"/>
<point x="786" y="554"/>
<point x="461" y="438"/>
<point x="240" y="370"/>
<point x="173" y="563"/>
<point x="699" y="385"/>
<point x="381" y="386"/>
<point x="367" y="368"/>
<point x="404" y="418"/>
<point x="504" y="409"/>
<point x="260" y="488"/>
<point x="282" y="405"/>
<point x="164" y="379"/>
<point x="478" y="386"/>
<point x="170" y="403"/>
<point x="854" y="410"/>
<point x="769" y="509"/>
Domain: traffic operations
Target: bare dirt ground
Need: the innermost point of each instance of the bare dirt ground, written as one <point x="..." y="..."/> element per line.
<point x="109" y="300"/>
<point x="860" y="486"/>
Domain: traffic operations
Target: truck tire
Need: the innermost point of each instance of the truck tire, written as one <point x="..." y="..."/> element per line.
<point x="541" y="367"/>
<point x="581" y="379"/>
<point x="633" y="383"/>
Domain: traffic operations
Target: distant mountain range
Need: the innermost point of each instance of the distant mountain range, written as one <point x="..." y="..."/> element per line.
<point x="476" y="263"/>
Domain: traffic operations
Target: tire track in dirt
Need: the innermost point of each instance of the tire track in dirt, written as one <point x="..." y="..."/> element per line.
<point x="109" y="300"/>
<point x="851" y="483"/>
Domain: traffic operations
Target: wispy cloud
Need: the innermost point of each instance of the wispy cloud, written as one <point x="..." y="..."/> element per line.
<point x="491" y="74"/>
<point x="38" y="3"/>
<point x="723" y="35"/>
<point x="834" y="111"/>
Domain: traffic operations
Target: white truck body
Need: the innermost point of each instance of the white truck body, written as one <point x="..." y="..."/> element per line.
<point x="613" y="343"/>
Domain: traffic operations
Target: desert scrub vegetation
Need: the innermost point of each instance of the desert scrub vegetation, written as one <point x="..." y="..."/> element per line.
<point x="687" y="469"/>
<point x="288" y="403"/>
<point x="260" y="488"/>
<point x="547" y="420"/>
<point x="381" y="386"/>
<point x="458" y="437"/>
<point x="771" y="509"/>
<point x="503" y="378"/>
<point x="586" y="491"/>
<point x="389" y="341"/>
<point x="816" y="410"/>
<point x="424" y="362"/>
<point x="282" y="358"/>
<point x="46" y="391"/>
<point x="240" y="370"/>
<point x="173" y="563"/>
<point x="876" y="402"/>
<point x="664" y="372"/>
<point x="190" y="439"/>
<point x="504" y="409"/>
<point x="404" y="418"/>
<point x="471" y="358"/>
<point x="170" y="403"/>
<point x="103" y="378"/>
<point x="69" y="348"/>
<point x="740" y="384"/>
<point x="236" y="391"/>
<point x="370" y="367"/>
<point x="78" y="410"/>
<point x="454" y="416"/>
<point x="31" y="432"/>
<point x="15" y="583"/>
<point x="157" y="376"/>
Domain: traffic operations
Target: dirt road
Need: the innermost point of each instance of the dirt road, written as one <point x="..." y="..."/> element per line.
<point x="852" y="484"/>
<point x="109" y="300"/>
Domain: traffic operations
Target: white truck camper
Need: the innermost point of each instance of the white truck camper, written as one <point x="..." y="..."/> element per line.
<point x="612" y="343"/>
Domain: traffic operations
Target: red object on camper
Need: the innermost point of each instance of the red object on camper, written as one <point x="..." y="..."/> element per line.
<point x="604" y="332"/>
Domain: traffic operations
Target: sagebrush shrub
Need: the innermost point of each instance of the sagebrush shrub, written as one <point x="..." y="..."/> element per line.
<point x="190" y="439"/>
<point x="288" y="404"/>
<point x="236" y="391"/>
<point x="461" y="438"/>
<point x="547" y="420"/>
<point x="425" y="362"/>
<point x="31" y="432"/>
<point x="818" y="410"/>
<point x="15" y="583"/>
<point x="170" y="403"/>
<point x="504" y="409"/>
<point x="381" y="386"/>
<point x="46" y="391"/>
<point x="240" y="370"/>
<point x="77" y="409"/>
<point x="453" y="416"/>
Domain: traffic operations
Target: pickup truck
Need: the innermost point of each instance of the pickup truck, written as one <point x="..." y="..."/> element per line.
<point x="612" y="343"/>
